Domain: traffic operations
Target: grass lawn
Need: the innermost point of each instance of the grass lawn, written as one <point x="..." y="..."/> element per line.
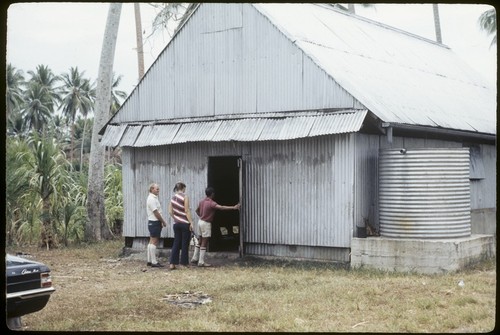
<point x="97" y="290"/>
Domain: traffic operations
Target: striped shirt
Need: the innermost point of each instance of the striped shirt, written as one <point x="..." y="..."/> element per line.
<point x="178" y="208"/>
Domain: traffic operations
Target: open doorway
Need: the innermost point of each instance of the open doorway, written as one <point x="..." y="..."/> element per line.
<point x="224" y="177"/>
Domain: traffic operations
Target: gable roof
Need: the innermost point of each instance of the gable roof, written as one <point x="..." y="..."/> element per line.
<point x="399" y="77"/>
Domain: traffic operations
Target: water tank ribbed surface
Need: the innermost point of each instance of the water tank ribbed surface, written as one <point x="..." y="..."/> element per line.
<point x="424" y="193"/>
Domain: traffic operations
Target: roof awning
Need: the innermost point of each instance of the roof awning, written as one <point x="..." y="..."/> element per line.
<point x="247" y="129"/>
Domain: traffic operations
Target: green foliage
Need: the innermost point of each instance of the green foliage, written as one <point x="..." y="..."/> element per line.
<point x="44" y="192"/>
<point x="36" y="171"/>
<point x="113" y="195"/>
<point x="16" y="196"/>
<point x="487" y="21"/>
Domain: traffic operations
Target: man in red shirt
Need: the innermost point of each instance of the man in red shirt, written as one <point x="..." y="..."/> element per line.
<point x="206" y="211"/>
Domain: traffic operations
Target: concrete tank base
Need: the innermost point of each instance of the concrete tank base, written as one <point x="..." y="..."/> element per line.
<point x="421" y="255"/>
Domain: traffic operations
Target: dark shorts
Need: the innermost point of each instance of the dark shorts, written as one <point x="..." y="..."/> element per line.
<point x="154" y="228"/>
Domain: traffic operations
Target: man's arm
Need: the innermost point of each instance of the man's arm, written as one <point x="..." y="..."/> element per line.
<point x="220" y="207"/>
<point x="159" y="217"/>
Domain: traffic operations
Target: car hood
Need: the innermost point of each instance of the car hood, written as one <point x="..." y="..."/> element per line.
<point x="14" y="262"/>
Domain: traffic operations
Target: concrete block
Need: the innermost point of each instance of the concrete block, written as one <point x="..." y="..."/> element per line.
<point x="421" y="255"/>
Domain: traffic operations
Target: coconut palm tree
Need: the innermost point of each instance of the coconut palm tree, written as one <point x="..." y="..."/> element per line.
<point x="38" y="108"/>
<point x="117" y="96"/>
<point x="14" y="92"/>
<point x="488" y="22"/>
<point x="15" y="124"/>
<point x="47" y="80"/>
<point x="57" y="127"/>
<point x="77" y="97"/>
<point x="97" y="227"/>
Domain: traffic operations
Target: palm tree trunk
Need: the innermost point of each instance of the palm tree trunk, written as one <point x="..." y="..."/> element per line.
<point x="83" y="141"/>
<point x="138" y="34"/>
<point x="437" y="24"/>
<point x="96" y="228"/>
<point x="72" y="142"/>
<point x="46" y="235"/>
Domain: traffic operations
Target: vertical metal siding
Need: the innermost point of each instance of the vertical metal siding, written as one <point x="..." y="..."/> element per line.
<point x="279" y="69"/>
<point x="165" y="165"/>
<point x="424" y="193"/>
<point x="228" y="63"/>
<point x="366" y="181"/>
<point x="484" y="191"/>
<point x="343" y="189"/>
<point x="291" y="187"/>
<point x="293" y="192"/>
<point x="230" y="59"/>
<point x="129" y="194"/>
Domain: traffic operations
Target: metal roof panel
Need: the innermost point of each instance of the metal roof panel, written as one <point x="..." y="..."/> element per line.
<point x="196" y="132"/>
<point x="399" y="76"/>
<point x="113" y="135"/>
<point x="130" y="136"/>
<point x="272" y="128"/>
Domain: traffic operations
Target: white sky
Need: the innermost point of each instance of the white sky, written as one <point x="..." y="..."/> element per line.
<point x="65" y="35"/>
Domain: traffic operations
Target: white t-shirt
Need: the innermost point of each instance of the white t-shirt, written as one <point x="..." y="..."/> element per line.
<point x="152" y="204"/>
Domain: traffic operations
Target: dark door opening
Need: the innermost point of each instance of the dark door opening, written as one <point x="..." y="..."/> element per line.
<point x="224" y="177"/>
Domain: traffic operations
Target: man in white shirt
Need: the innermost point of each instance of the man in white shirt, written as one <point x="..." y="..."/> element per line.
<point x="155" y="224"/>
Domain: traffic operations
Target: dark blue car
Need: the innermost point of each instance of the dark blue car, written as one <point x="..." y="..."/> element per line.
<point x="29" y="286"/>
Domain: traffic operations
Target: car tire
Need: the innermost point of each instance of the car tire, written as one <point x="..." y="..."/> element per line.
<point x="14" y="323"/>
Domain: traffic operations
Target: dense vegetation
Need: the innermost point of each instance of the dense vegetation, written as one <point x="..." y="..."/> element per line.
<point x="49" y="125"/>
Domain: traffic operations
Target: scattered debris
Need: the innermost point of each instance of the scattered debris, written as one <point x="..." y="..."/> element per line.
<point x="188" y="299"/>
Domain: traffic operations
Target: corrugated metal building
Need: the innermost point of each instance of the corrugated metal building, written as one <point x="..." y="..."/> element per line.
<point x="285" y="107"/>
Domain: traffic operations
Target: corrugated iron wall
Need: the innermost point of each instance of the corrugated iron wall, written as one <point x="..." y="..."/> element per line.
<point x="165" y="165"/>
<point x="366" y="182"/>
<point x="307" y="192"/>
<point x="484" y="191"/>
<point x="297" y="192"/>
<point x="300" y="192"/>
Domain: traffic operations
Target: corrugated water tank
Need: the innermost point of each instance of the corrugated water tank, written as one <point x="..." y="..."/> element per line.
<point x="424" y="193"/>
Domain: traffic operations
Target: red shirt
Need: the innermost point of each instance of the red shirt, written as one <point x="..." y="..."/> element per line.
<point x="206" y="209"/>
